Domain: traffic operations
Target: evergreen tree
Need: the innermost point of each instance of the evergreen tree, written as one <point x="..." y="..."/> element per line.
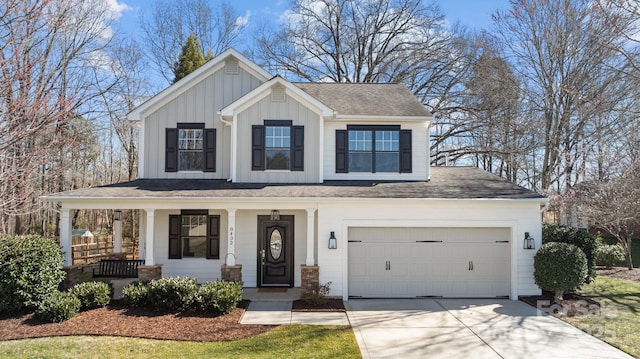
<point x="191" y="57"/>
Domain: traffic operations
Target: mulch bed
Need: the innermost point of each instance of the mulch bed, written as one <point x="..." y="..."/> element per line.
<point x="118" y="320"/>
<point x="332" y="305"/>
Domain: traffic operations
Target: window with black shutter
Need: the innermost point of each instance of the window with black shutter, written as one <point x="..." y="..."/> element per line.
<point x="373" y="149"/>
<point x="277" y="145"/>
<point x="194" y="233"/>
<point x="190" y="147"/>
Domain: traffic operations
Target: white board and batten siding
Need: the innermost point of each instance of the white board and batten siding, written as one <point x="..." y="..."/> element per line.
<point x="289" y="109"/>
<point x="429" y="262"/>
<point x="199" y="103"/>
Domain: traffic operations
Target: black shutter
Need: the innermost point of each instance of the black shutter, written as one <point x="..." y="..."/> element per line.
<point x="213" y="238"/>
<point x="257" y="148"/>
<point x="175" y="222"/>
<point x="171" y="150"/>
<point x="209" y="150"/>
<point x="405" y="151"/>
<point x="297" y="148"/>
<point x="342" y="153"/>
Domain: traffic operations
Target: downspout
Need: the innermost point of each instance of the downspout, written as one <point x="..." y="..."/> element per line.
<point x="228" y="124"/>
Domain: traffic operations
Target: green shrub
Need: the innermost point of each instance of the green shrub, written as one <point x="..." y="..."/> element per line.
<point x="136" y="294"/>
<point x="559" y="267"/>
<point x="582" y="239"/>
<point x="316" y="294"/>
<point x="31" y="270"/>
<point x="172" y="294"/>
<point x="609" y="255"/>
<point x="92" y="294"/>
<point x="220" y="297"/>
<point x="58" y="307"/>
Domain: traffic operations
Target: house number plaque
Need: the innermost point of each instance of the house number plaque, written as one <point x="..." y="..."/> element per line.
<point x="230" y="236"/>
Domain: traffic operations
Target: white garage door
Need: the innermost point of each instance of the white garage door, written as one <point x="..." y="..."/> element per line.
<point x="424" y="262"/>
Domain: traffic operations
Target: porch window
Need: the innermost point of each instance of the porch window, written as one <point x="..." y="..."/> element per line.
<point x="194" y="233"/>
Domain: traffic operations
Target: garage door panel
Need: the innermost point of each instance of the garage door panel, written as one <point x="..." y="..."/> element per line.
<point x="410" y="262"/>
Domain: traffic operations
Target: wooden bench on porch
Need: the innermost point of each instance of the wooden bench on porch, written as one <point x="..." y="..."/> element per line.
<point x="118" y="268"/>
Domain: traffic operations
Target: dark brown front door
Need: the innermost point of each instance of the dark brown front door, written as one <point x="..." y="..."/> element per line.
<point x="275" y="251"/>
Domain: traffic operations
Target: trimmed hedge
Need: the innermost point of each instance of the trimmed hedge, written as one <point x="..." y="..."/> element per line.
<point x="58" y="307"/>
<point x="559" y="267"/>
<point x="220" y="297"/>
<point x="609" y="255"/>
<point x="92" y="295"/>
<point x="582" y="239"/>
<point x="176" y="294"/>
<point x="31" y="271"/>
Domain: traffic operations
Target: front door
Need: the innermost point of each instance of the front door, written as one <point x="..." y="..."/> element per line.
<point x="275" y="251"/>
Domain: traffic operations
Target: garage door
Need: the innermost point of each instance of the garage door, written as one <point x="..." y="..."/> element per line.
<point x="425" y="262"/>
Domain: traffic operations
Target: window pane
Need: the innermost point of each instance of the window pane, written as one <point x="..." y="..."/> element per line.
<point x="190" y="142"/>
<point x="360" y="140"/>
<point x="387" y="162"/>
<point x="194" y="246"/>
<point x="277" y="137"/>
<point x="190" y="160"/>
<point x="387" y="140"/>
<point x="278" y="159"/>
<point x="359" y="162"/>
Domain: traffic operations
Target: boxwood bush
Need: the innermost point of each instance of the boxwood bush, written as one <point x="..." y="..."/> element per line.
<point x="559" y="267"/>
<point x="92" y="295"/>
<point x="172" y="294"/>
<point x="31" y="271"/>
<point x="609" y="255"/>
<point x="582" y="239"/>
<point x="136" y="294"/>
<point x="58" y="307"/>
<point x="220" y="297"/>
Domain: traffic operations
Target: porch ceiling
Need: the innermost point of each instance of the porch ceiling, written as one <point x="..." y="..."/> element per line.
<point x="445" y="183"/>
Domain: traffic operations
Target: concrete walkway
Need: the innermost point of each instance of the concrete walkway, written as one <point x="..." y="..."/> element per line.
<point x="279" y="313"/>
<point x="467" y="328"/>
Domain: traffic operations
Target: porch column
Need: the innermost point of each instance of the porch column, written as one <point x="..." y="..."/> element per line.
<point x="148" y="258"/>
<point x="65" y="236"/>
<point x="117" y="236"/>
<point x="230" y="257"/>
<point x="311" y="230"/>
<point x="142" y="234"/>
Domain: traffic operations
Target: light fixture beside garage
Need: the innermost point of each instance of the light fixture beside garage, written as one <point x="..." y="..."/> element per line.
<point x="529" y="242"/>
<point x="333" y="243"/>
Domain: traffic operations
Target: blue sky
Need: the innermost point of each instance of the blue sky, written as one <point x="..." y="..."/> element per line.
<point x="476" y="14"/>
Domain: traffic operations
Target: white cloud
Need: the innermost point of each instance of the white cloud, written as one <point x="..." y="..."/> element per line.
<point x="242" y="21"/>
<point x="116" y="8"/>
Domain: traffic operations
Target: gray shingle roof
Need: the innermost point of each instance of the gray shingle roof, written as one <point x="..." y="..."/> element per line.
<point x="445" y="183"/>
<point x="370" y="99"/>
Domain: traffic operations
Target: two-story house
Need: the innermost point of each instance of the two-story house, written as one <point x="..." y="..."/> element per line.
<point x="247" y="176"/>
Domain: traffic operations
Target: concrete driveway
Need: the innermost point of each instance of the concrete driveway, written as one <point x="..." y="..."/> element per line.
<point x="467" y="328"/>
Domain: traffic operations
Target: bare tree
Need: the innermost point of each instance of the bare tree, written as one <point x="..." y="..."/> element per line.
<point x="567" y="55"/>
<point x="50" y="53"/>
<point x="171" y="21"/>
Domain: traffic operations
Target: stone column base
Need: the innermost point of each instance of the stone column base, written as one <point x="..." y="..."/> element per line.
<point x="231" y="273"/>
<point x="72" y="278"/>
<point x="310" y="278"/>
<point x="150" y="272"/>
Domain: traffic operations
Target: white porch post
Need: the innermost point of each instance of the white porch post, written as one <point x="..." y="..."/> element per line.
<point x="148" y="258"/>
<point x="117" y="236"/>
<point x="142" y="234"/>
<point x="230" y="258"/>
<point x="311" y="230"/>
<point x="65" y="236"/>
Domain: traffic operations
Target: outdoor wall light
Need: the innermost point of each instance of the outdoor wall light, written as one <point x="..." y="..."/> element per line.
<point x="275" y="215"/>
<point x="333" y="243"/>
<point x="529" y="242"/>
<point x="117" y="215"/>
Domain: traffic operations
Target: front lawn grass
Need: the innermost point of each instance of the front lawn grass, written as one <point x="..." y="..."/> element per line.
<point x="619" y="320"/>
<point x="288" y="341"/>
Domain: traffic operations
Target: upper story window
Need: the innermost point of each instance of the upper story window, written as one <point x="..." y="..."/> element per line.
<point x="190" y="147"/>
<point x="373" y="149"/>
<point x="194" y="233"/>
<point x="277" y="145"/>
